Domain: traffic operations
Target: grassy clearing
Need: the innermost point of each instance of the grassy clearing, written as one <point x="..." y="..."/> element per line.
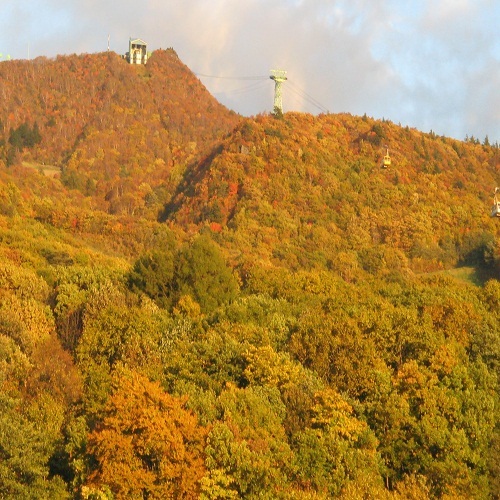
<point x="472" y="275"/>
<point x="48" y="170"/>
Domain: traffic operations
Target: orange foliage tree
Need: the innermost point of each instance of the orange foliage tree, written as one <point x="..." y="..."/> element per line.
<point x="147" y="444"/>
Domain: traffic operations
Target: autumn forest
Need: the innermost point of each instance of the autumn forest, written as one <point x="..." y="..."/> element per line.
<point x="200" y="305"/>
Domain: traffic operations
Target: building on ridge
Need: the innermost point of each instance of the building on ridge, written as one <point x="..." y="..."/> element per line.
<point x="137" y="51"/>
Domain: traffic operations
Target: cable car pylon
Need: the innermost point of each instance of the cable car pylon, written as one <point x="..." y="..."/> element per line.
<point x="279" y="76"/>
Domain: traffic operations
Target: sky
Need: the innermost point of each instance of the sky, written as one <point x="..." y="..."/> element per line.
<point x="429" y="64"/>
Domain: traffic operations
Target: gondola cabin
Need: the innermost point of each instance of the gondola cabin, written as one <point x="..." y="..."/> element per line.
<point x="386" y="162"/>
<point x="495" y="209"/>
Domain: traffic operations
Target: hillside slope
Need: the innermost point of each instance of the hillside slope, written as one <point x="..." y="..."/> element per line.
<point x="109" y="126"/>
<point x="302" y="189"/>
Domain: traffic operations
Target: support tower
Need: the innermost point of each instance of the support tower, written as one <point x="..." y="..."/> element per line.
<point x="279" y="76"/>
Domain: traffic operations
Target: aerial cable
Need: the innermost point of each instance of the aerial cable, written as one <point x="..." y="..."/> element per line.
<point x="307" y="97"/>
<point x="249" y="88"/>
<point x="233" y="77"/>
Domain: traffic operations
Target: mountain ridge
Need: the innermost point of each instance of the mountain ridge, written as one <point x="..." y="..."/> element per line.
<point x="150" y="141"/>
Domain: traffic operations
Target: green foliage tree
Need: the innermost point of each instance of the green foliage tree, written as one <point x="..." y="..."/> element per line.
<point x="111" y="338"/>
<point x="247" y="454"/>
<point x="198" y="269"/>
<point x="202" y="272"/>
<point x="24" y="457"/>
<point x="27" y="321"/>
<point x="154" y="275"/>
<point x="25" y="136"/>
<point x="81" y="292"/>
<point x="337" y="449"/>
<point x="11" y="202"/>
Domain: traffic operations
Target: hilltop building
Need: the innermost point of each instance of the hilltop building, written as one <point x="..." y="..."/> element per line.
<point x="137" y="51"/>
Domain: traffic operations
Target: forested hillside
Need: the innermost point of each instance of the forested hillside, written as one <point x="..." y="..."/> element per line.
<point x="195" y="304"/>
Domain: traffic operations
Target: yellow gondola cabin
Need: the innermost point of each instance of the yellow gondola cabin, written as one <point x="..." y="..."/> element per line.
<point x="386" y="162"/>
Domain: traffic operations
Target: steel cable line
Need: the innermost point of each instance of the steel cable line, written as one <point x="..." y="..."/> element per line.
<point x="255" y="86"/>
<point x="306" y="96"/>
<point x="232" y="77"/>
<point x="249" y="88"/>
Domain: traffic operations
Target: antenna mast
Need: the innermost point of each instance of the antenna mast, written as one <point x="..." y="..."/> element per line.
<point x="279" y="76"/>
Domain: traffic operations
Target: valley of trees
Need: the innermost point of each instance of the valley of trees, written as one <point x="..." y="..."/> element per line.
<point x="199" y="305"/>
